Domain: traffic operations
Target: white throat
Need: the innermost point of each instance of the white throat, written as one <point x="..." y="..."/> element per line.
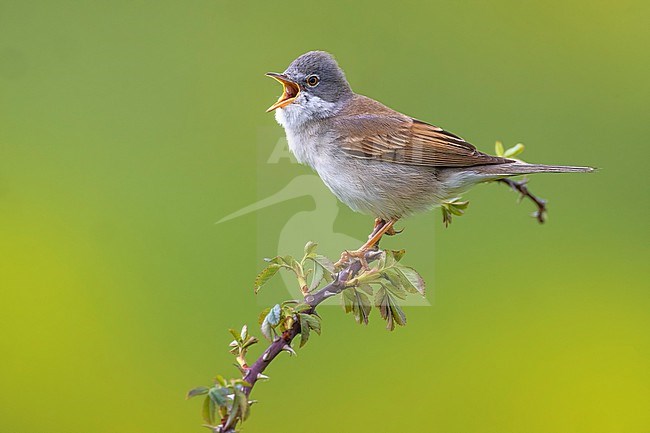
<point x="302" y="110"/>
<point x="299" y="121"/>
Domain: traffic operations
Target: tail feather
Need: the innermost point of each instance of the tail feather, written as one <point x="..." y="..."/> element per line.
<point x="519" y="168"/>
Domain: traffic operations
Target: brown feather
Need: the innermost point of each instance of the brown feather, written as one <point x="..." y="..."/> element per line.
<point x="374" y="131"/>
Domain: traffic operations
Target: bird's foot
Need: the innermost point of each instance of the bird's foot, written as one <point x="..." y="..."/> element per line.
<point x="522" y="189"/>
<point x="381" y="228"/>
<point x="349" y="256"/>
<point x="392" y="232"/>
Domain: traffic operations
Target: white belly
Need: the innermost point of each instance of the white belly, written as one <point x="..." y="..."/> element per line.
<point x="378" y="188"/>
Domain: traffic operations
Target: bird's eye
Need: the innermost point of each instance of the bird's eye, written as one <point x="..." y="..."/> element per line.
<point x="312" y="80"/>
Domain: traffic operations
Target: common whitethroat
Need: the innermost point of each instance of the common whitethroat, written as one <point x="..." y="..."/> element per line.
<point x="374" y="159"/>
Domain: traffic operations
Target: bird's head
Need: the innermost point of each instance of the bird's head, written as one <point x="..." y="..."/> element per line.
<point x="314" y="86"/>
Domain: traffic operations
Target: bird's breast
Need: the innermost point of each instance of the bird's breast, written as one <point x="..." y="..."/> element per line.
<point x="308" y="144"/>
<point x="300" y="145"/>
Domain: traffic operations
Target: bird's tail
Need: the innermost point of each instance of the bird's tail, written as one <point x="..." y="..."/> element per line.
<point x="519" y="168"/>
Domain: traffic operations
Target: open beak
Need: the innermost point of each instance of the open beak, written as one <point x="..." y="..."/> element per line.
<point x="290" y="91"/>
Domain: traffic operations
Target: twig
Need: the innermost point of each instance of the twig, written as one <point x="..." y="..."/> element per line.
<point x="283" y="342"/>
<point x="522" y="189"/>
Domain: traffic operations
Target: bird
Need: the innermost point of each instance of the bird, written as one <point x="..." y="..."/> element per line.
<point x="374" y="159"/>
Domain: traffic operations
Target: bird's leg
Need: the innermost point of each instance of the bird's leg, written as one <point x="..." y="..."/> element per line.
<point x="385" y="229"/>
<point x="379" y="223"/>
<point x="522" y="189"/>
<point x="381" y="228"/>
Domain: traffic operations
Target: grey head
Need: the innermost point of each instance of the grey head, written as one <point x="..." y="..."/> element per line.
<point x="315" y="87"/>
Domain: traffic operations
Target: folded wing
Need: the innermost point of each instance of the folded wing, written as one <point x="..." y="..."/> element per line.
<point x="403" y="140"/>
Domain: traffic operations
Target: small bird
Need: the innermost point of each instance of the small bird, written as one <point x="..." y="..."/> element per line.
<point x="374" y="159"/>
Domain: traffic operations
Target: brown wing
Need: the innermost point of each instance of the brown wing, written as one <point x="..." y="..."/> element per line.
<point x="404" y="140"/>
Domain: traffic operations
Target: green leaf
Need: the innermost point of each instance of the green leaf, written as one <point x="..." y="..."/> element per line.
<point x="317" y="278"/>
<point x="218" y="395"/>
<point x="452" y="207"/>
<point x="498" y="148"/>
<point x="366" y="288"/>
<point x="358" y="303"/>
<point x="396" y="291"/>
<point x="458" y="207"/>
<point x="234" y="334"/>
<point x="263" y="315"/>
<point x="277" y="260"/>
<point x="323" y="261"/>
<point x="266" y="274"/>
<point x="234" y="414"/>
<point x="243" y="404"/>
<point x="387" y="260"/>
<point x="220" y="380"/>
<point x="209" y="409"/>
<point x="382" y="301"/>
<point x="308" y="322"/>
<point x="289" y="303"/>
<point x="446" y="216"/>
<point x="304" y="330"/>
<point x="201" y="390"/>
<point x="514" y="151"/>
<point x="364" y="306"/>
<point x="398" y="314"/>
<point x="310" y="247"/>
<point x="250" y="341"/>
<point x="300" y="308"/>
<point x="313" y="321"/>
<point x="392" y="276"/>
<point x="413" y="281"/>
<point x="398" y="254"/>
<point x="388" y="309"/>
<point x="347" y="301"/>
<point x="291" y="262"/>
<point x="286" y="322"/>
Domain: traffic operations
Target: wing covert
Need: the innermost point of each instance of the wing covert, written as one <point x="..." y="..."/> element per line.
<point x="404" y="140"/>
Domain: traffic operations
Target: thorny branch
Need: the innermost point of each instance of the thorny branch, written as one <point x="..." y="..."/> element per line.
<point x="226" y="403"/>
<point x="521" y="188"/>
<point x="283" y="342"/>
<point x="231" y="398"/>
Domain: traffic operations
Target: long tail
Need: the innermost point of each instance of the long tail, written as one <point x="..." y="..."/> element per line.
<point x="518" y="168"/>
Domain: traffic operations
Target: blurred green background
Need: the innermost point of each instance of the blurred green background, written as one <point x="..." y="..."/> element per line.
<point x="128" y="128"/>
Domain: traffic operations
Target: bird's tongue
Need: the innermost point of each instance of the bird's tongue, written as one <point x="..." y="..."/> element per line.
<point x="290" y="91"/>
